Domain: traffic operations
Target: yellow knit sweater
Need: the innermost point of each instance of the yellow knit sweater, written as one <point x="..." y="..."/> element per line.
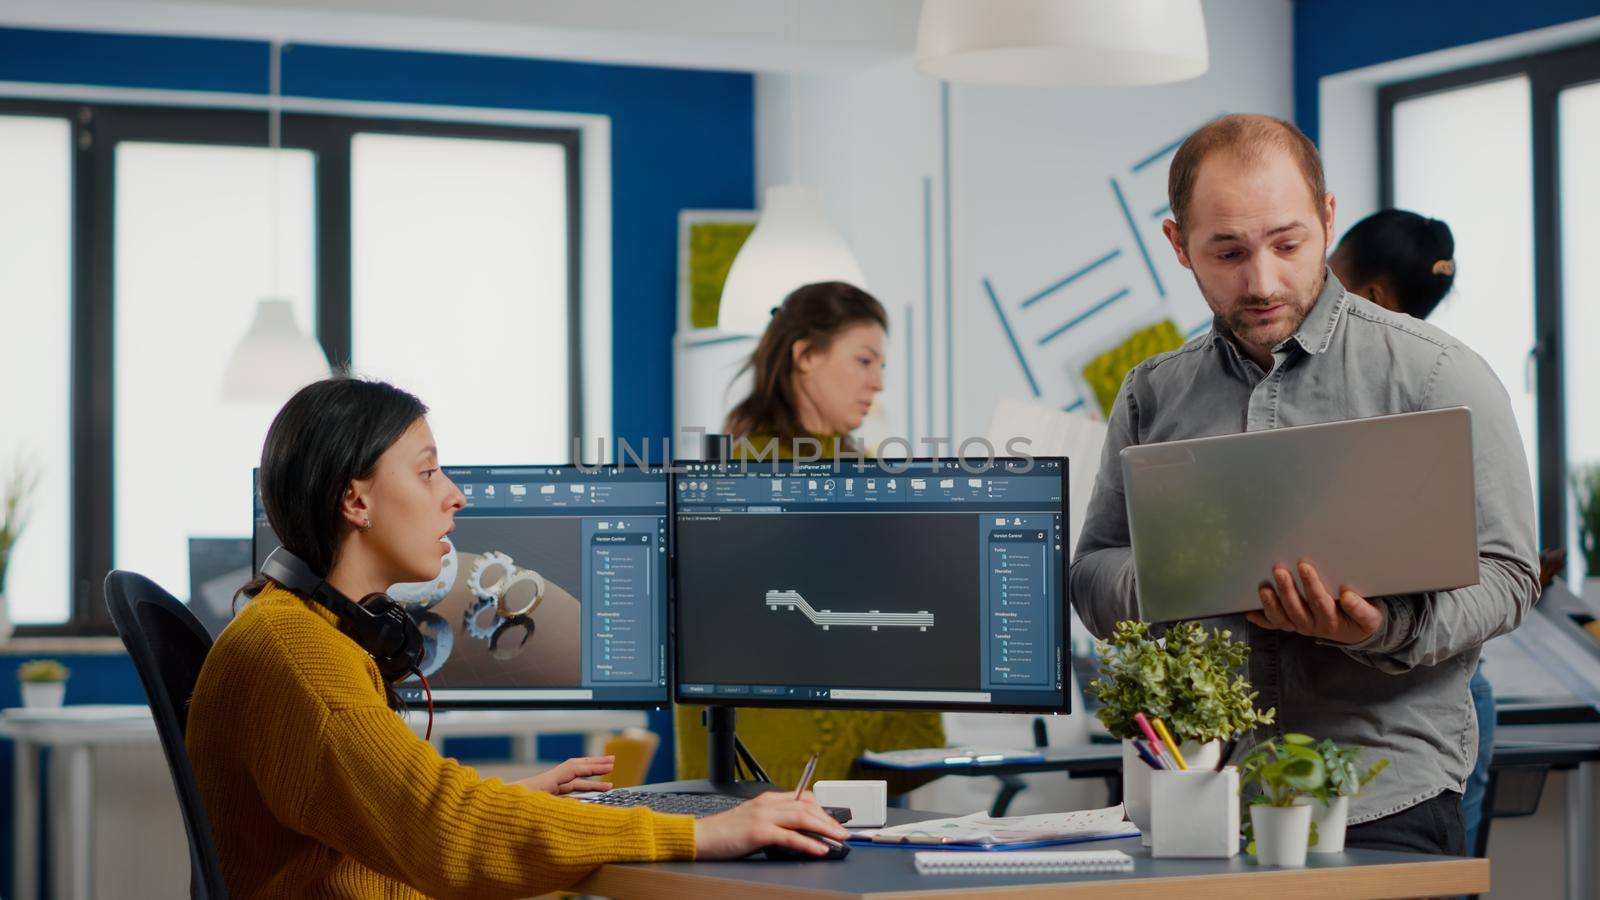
<point x="315" y="788"/>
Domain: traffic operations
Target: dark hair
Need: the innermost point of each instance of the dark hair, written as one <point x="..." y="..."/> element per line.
<point x="1247" y="137"/>
<point x="1412" y="254"/>
<point x="330" y="433"/>
<point x="814" y="313"/>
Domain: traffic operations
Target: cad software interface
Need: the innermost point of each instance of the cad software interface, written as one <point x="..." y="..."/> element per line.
<point x="876" y="584"/>
<point x="553" y="591"/>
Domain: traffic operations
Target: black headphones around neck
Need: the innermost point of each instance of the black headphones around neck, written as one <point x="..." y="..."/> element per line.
<point x="380" y="625"/>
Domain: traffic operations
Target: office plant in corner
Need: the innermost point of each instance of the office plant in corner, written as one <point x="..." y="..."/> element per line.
<point x="1189" y="679"/>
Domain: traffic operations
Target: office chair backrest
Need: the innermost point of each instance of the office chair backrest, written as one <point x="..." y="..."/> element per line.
<point x="168" y="645"/>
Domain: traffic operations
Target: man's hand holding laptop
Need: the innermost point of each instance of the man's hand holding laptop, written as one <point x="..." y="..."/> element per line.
<point x="1348" y="618"/>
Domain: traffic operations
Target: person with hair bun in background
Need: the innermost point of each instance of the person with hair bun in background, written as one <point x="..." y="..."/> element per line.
<point x="1399" y="260"/>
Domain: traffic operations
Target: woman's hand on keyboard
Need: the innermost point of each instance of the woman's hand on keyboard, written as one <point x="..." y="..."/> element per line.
<point x="573" y="775"/>
<point x="775" y="818"/>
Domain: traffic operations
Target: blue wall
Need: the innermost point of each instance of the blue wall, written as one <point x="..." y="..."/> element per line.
<point x="1332" y="36"/>
<point x="679" y="140"/>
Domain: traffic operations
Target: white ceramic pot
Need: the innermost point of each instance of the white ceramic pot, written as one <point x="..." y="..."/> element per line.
<point x="1136" y="779"/>
<point x="36" y="694"/>
<point x="1330" y="820"/>
<point x="1281" y="834"/>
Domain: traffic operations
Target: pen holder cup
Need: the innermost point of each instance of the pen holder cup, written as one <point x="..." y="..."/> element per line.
<point x="1136" y="779"/>
<point x="1195" y="813"/>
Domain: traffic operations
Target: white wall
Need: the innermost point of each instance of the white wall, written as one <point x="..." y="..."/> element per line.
<point x="1030" y="199"/>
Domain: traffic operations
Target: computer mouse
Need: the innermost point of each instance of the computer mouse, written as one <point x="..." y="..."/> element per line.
<point x="836" y="850"/>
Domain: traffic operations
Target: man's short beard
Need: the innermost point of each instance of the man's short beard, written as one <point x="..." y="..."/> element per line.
<point x="1223" y="326"/>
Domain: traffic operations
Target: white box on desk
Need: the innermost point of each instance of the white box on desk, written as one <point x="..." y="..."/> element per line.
<point x="868" y="801"/>
<point x="1194" y="813"/>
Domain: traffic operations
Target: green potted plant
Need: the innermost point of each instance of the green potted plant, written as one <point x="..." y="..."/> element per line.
<point x="1344" y="777"/>
<point x="19" y="488"/>
<point x="1586" y="497"/>
<point x="44" y="682"/>
<point x="1189" y="678"/>
<point x="1285" y="770"/>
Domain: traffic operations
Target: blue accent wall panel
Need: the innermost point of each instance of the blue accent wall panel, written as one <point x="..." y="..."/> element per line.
<point x="1332" y="36"/>
<point x="134" y="61"/>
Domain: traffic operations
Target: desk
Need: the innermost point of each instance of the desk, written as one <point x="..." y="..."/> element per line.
<point x="74" y="733"/>
<point x="888" y="872"/>
<point x="1573" y="746"/>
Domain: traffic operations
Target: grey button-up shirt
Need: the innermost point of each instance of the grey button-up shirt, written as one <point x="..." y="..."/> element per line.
<point x="1403" y="692"/>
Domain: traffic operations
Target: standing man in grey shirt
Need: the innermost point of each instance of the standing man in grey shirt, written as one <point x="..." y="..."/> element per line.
<point x="1251" y="217"/>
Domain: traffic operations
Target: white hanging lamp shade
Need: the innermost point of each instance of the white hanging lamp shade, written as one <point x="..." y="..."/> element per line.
<point x="273" y="359"/>
<point x="1058" y="43"/>
<point x="792" y="245"/>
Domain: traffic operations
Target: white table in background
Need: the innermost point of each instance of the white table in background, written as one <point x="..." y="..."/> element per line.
<point x="73" y="733"/>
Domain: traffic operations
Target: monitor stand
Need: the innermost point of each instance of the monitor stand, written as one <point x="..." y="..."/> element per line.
<point x="723" y="748"/>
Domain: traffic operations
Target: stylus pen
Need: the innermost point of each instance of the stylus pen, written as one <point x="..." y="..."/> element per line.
<point x="805" y="777"/>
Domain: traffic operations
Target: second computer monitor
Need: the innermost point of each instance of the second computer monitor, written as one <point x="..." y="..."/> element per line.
<point x="880" y="584"/>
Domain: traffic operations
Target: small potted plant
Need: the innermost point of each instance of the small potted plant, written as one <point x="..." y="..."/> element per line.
<point x="1189" y="678"/>
<point x="1285" y="769"/>
<point x="1586" y="498"/>
<point x="44" y="682"/>
<point x="1344" y="777"/>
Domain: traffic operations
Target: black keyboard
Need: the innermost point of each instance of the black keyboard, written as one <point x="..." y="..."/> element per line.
<point x="686" y="804"/>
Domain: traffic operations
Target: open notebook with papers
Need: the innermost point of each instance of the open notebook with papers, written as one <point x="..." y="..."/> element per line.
<point x="981" y="832"/>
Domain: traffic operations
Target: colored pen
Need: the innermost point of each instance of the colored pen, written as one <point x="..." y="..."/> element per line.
<point x="1145" y="755"/>
<point x="1171" y="745"/>
<point x="1143" y="722"/>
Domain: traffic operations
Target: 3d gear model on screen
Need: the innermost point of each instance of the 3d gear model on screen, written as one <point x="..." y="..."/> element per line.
<point x="428" y="594"/>
<point x="495" y="564"/>
<point x="478" y="624"/>
<point x="506" y="597"/>
<point x="827" y="618"/>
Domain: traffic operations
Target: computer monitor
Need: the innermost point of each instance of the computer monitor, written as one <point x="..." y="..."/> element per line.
<point x="554" y="594"/>
<point x="877" y="584"/>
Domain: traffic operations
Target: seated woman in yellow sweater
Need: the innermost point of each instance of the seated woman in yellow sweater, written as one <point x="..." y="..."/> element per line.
<point x="816" y="370"/>
<point x="313" y="784"/>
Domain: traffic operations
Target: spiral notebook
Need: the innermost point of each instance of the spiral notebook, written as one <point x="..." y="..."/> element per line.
<point x="1054" y="862"/>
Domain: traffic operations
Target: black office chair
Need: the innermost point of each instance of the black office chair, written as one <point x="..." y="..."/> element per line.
<point x="168" y="645"/>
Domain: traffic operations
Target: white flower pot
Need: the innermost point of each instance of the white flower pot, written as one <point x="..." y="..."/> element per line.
<point x="1136" y="779"/>
<point x="36" y="694"/>
<point x="1281" y="834"/>
<point x="1330" y="820"/>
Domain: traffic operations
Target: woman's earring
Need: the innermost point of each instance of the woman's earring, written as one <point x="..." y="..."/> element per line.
<point x="366" y="525"/>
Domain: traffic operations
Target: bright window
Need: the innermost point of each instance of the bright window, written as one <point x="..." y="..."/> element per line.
<point x="1465" y="156"/>
<point x="460" y="293"/>
<point x="1578" y="111"/>
<point x="200" y="240"/>
<point x="36" y="355"/>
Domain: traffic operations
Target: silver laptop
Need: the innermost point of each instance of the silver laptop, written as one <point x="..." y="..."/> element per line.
<point x="1384" y="505"/>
